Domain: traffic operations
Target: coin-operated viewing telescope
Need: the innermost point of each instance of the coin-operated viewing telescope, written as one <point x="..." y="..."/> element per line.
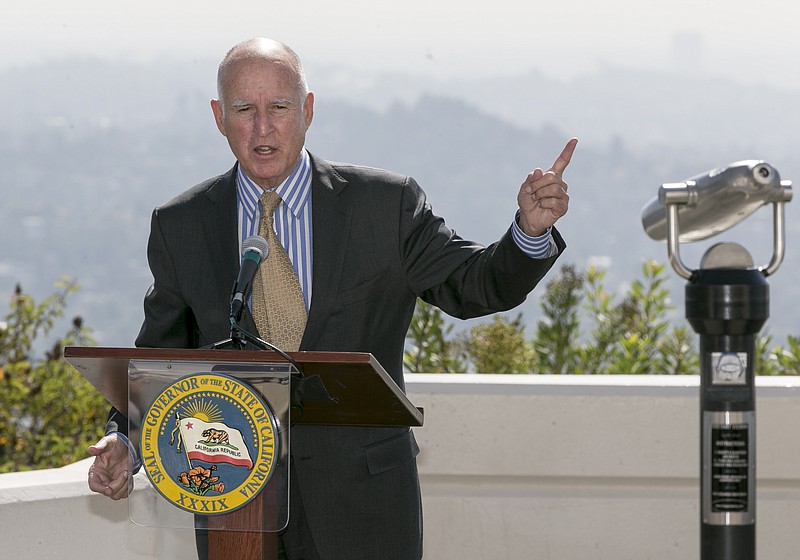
<point x="727" y="303"/>
<point x="713" y="202"/>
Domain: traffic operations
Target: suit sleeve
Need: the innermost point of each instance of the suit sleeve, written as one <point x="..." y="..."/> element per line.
<point x="167" y="319"/>
<point x="463" y="278"/>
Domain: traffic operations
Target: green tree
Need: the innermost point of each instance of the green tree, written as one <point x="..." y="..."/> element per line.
<point x="500" y="347"/>
<point x="634" y="335"/>
<point x="558" y="332"/>
<point x="48" y="412"/>
<point x="778" y="360"/>
<point x="428" y="349"/>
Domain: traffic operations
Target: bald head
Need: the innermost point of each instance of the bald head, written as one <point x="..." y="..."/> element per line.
<point x="261" y="49"/>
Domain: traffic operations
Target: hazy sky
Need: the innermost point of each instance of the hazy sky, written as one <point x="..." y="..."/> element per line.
<point x="747" y="39"/>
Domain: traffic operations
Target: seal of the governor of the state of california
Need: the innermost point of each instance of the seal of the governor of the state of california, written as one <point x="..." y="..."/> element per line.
<point x="208" y="443"/>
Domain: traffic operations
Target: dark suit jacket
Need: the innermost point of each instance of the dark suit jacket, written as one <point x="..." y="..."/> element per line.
<point x="377" y="246"/>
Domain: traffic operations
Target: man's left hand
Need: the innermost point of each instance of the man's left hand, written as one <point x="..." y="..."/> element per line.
<point x="543" y="197"/>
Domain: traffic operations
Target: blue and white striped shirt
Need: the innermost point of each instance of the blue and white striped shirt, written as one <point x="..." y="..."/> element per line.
<point x="292" y="217"/>
<point x="540" y="247"/>
<point x="293" y="221"/>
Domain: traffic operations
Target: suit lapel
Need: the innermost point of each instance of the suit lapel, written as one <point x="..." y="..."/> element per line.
<point x="222" y="238"/>
<point x="331" y="217"/>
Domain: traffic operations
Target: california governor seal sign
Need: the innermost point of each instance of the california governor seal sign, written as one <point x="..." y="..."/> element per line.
<point x="208" y="443"/>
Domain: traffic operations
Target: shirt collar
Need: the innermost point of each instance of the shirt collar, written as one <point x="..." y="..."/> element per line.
<point x="294" y="191"/>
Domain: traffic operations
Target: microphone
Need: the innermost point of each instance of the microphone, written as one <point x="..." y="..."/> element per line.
<point x="715" y="201"/>
<point x="254" y="250"/>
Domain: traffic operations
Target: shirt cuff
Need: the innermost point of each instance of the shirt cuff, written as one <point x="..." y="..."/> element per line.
<point x="136" y="462"/>
<point x="541" y="247"/>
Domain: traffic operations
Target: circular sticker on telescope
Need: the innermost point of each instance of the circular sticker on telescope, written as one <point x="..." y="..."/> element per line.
<point x="209" y="443"/>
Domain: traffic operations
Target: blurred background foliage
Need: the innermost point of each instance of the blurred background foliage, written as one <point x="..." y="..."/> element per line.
<point x="49" y="413"/>
<point x="584" y="329"/>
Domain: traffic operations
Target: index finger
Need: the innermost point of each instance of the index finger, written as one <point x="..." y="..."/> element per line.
<point x="562" y="161"/>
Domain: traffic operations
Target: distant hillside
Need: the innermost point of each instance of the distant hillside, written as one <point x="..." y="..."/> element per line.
<point x="88" y="148"/>
<point x="644" y="110"/>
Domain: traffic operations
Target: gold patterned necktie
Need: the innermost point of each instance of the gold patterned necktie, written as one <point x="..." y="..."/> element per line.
<point x="279" y="309"/>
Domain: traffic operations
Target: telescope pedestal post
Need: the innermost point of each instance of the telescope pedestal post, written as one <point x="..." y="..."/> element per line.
<point x="727" y="308"/>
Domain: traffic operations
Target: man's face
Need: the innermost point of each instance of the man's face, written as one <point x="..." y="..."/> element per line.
<point x="264" y="116"/>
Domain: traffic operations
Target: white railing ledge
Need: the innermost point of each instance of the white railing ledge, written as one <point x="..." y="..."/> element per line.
<point x="545" y="383"/>
<point x="29" y="486"/>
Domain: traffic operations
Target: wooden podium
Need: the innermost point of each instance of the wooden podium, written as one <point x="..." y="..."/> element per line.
<point x="335" y="389"/>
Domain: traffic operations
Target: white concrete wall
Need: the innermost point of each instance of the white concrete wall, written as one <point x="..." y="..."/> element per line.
<point x="51" y="514"/>
<point x="512" y="467"/>
<point x="577" y="467"/>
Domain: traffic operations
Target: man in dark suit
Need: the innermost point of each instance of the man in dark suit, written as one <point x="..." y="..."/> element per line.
<point x="365" y="244"/>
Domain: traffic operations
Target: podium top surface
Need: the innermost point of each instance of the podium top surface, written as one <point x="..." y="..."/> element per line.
<point x="363" y="393"/>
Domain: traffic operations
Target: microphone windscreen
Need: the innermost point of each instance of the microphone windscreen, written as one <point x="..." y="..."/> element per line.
<point x="255" y="243"/>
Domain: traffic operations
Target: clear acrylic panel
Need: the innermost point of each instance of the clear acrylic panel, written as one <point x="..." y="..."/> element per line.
<point x="214" y="443"/>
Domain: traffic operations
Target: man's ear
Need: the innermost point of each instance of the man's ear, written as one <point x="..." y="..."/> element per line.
<point x="216" y="108"/>
<point x="308" y="109"/>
